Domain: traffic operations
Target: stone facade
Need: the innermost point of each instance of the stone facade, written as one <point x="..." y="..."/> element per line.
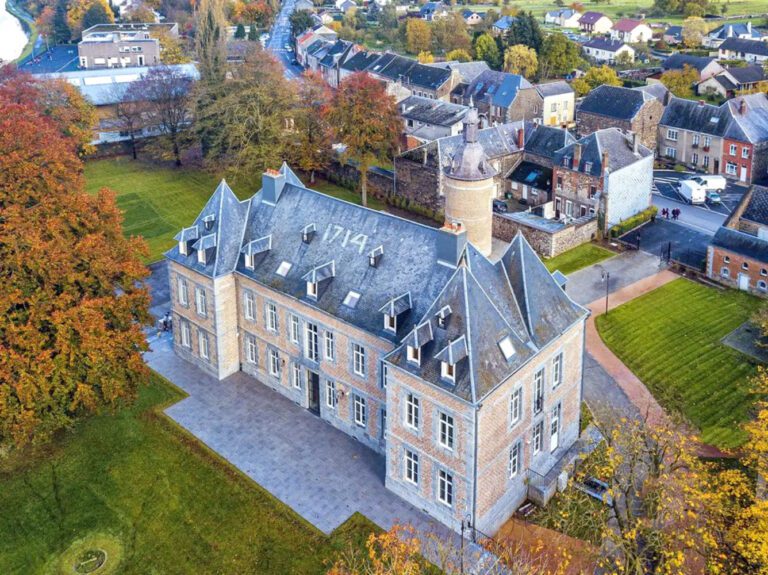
<point x="547" y="244"/>
<point x="703" y="152"/>
<point x="645" y="123"/>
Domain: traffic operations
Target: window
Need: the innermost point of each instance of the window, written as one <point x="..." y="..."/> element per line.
<point x="358" y="359"/>
<point x="696" y="138"/>
<point x="557" y="370"/>
<point x="414" y="355"/>
<point x="274" y="363"/>
<point x="732" y="150"/>
<point x="271" y="317"/>
<point x="384" y="375"/>
<point x="587" y="167"/>
<point x="725" y="272"/>
<point x="249" y="261"/>
<point x="447" y="370"/>
<point x="515" y="406"/>
<point x="744" y="152"/>
<point x="445" y="436"/>
<point x="351" y="299"/>
<point x="507" y="348"/>
<point x="538" y="391"/>
<point x="730" y="168"/>
<point x="250" y="349"/>
<point x="762" y="286"/>
<point x="311" y="347"/>
<point x="296" y="376"/>
<point x="390" y="322"/>
<point x="202" y="344"/>
<point x="200" y="304"/>
<point x="445" y="487"/>
<point x="726" y="259"/>
<point x="293" y="328"/>
<point x="559" y="183"/>
<point x="183" y="292"/>
<point x="360" y="415"/>
<point x="671" y="152"/>
<point x="554" y="428"/>
<point x="706" y="161"/>
<point x="592" y="192"/>
<point x="201" y="256"/>
<point x="383" y="425"/>
<point x="312" y="289"/>
<point x="412" y="411"/>
<point x="694" y="158"/>
<point x="514" y="459"/>
<point x="538" y="430"/>
<point x="330" y="346"/>
<point x="672" y="135"/>
<point x="330" y="394"/>
<point x="411" y="467"/>
<point x="764" y="272"/>
<point x="185" y="335"/>
<point x="283" y="269"/>
<point x="249" y="305"/>
<point x="707" y="142"/>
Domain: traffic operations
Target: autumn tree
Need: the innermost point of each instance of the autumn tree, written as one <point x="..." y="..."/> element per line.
<point x="595" y="76"/>
<point x="425" y="57"/>
<point x="368" y="132"/>
<point x="558" y="56"/>
<point x="450" y="33"/>
<point x="487" y="49"/>
<point x="310" y="149"/>
<point x="300" y="20"/>
<point x="210" y="41"/>
<point x="97" y="14"/>
<point x="458" y="56"/>
<point x="171" y="51"/>
<point x="72" y="295"/>
<point x="681" y="82"/>
<point x="131" y="113"/>
<point x="77" y="10"/>
<point x="519" y="59"/>
<point x="694" y="30"/>
<point x="418" y="36"/>
<point x="167" y="92"/>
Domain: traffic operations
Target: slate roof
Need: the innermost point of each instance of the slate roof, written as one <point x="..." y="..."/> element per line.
<point x="733" y="30"/>
<point x="657" y="90"/>
<point x="590" y="17"/>
<point x="496" y="88"/>
<point x="757" y="205"/>
<point x="504" y="23"/>
<point x="563" y="13"/>
<point x="746" y="46"/>
<point x="335" y="52"/>
<point x="544" y="141"/>
<point x="606" y="44"/>
<point x="614" y="102"/>
<point x="554" y="88"/>
<point x="678" y="61"/>
<point x="431" y="8"/>
<point x="431" y="111"/>
<point x="627" y="25"/>
<point x="530" y="174"/>
<point x="360" y="61"/>
<point x="695" y="116"/>
<point x="394" y="68"/>
<point x="613" y="141"/>
<point x="674" y="31"/>
<point x="747" y="74"/>
<point x="468" y="71"/>
<point x="741" y="243"/>
<point x="515" y="298"/>
<point x="752" y="124"/>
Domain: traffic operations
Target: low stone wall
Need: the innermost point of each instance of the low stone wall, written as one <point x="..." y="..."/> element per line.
<point x="381" y="183"/>
<point x="547" y="244"/>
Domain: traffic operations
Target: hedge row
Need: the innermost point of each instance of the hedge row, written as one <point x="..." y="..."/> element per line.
<point x="633" y="222"/>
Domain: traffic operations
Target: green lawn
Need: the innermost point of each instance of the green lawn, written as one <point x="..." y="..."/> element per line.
<point x="170" y="505"/>
<point x="158" y="201"/>
<point x="670" y="338"/>
<point x="577" y="258"/>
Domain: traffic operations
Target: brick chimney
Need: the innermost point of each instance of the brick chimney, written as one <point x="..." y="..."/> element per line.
<point x="520" y="138"/>
<point x="603" y="164"/>
<point x="742" y="107"/>
<point x="701" y="102"/>
<point x="576" y="156"/>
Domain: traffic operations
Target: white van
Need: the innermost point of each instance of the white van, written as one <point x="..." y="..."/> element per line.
<point x="710" y="182"/>
<point x="692" y="191"/>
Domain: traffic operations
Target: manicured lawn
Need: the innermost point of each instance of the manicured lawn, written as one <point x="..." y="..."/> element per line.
<point x="166" y="503"/>
<point x="577" y="258"/>
<point x="158" y="201"/>
<point x="670" y="338"/>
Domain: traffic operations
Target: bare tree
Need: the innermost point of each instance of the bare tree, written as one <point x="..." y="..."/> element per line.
<point x="131" y="112"/>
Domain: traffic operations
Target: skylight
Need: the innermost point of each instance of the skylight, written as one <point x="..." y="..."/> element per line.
<point x="714" y="119"/>
<point x="351" y="299"/>
<point x="506" y="347"/>
<point x="284" y="268"/>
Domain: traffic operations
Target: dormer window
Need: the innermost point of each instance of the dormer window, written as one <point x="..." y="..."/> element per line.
<point x="442" y="317"/>
<point x="374" y="257"/>
<point x="414" y="355"/>
<point x="447" y="371"/>
<point x="308" y="233"/>
<point x="312" y="289"/>
<point x="249" y="261"/>
<point x="183" y="248"/>
<point x="390" y="323"/>
<point x="201" y="256"/>
<point x="317" y="276"/>
<point x="208" y="222"/>
<point x="587" y="167"/>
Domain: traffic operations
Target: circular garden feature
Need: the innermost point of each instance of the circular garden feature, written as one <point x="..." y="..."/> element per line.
<point x="94" y="554"/>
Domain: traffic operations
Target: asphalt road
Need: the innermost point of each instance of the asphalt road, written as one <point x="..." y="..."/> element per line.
<point x="665" y="185"/>
<point x="280" y="42"/>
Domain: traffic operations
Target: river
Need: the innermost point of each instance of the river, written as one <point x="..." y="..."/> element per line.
<point x="12" y="36"/>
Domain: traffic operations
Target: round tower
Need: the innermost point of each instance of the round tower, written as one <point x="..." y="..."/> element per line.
<point x="469" y="189"/>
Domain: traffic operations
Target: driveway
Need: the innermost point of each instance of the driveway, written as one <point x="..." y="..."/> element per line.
<point x="665" y="186"/>
<point x="683" y="243"/>
<point x="159" y="289"/>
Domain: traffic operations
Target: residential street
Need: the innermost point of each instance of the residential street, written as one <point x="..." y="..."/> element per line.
<point x="280" y="41"/>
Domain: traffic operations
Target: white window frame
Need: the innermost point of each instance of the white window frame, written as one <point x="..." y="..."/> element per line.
<point x="293" y="328"/>
<point x="312" y="289"/>
<point x="390" y="323"/>
<point x="183" y="291"/>
<point x="358" y="359"/>
<point x="360" y="410"/>
<point x="705" y="161"/>
<point x="330" y="346"/>
<point x="272" y="322"/>
<point x="413" y="354"/>
<point x="516" y="406"/>
<point x="672" y="134"/>
<point x="445" y="487"/>
<point x="446" y="431"/>
<point x="250" y="349"/>
<point x="311" y="341"/>
<point x="412" y="407"/>
<point x="274" y="363"/>
<point x="330" y="394"/>
<point x="515" y="458"/>
<point x="554" y="427"/>
<point x="411" y="467"/>
<point x="296" y="376"/>
<point x="202" y="345"/>
<point x="538" y="391"/>
<point x="725" y="272"/>
<point x="186" y="335"/>
<point x="731" y="168"/>
<point x="744" y="152"/>
<point x="249" y="306"/>
<point x="671" y="152"/>
<point x="447" y="371"/>
<point x="733" y="150"/>
<point x="201" y="305"/>
<point x="557" y="370"/>
<point x="538" y="433"/>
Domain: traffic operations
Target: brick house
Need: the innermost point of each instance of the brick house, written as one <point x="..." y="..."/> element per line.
<point x="627" y="109"/>
<point x="395" y="333"/>
<point x="745" y="143"/>
<point x="606" y="172"/>
<point x="500" y="97"/>
<point x="738" y="254"/>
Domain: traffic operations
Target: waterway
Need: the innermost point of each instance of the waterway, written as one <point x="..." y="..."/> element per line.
<point x="12" y="36"/>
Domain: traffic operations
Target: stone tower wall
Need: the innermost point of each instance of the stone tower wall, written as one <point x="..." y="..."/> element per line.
<point x="470" y="202"/>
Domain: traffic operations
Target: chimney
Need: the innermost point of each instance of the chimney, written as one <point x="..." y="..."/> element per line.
<point x="520" y="138"/>
<point x="701" y="102"/>
<point x="749" y="27"/>
<point x="603" y="164"/>
<point x="635" y="143"/>
<point x="576" y="156"/>
<point x="272" y="183"/>
<point x="742" y="107"/>
<point x="451" y="241"/>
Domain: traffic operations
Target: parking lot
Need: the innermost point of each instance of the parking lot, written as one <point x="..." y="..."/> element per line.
<point x="665" y="185"/>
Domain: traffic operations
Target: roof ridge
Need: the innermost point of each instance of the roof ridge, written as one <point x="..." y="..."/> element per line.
<point x="468" y="333"/>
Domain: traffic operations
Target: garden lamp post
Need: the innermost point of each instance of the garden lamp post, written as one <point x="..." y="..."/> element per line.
<point x="606" y="277"/>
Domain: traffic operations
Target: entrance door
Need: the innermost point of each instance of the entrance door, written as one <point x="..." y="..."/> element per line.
<point x="141" y="60"/>
<point x="717" y="167"/>
<point x="744" y="282"/>
<point x="743" y="174"/>
<point x="313" y="389"/>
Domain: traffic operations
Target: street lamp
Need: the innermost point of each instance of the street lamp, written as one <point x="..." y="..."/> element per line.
<point x="466" y="523"/>
<point x="606" y="277"/>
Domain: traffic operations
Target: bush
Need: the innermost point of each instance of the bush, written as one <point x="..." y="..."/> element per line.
<point x="679" y="168"/>
<point x="633" y="222"/>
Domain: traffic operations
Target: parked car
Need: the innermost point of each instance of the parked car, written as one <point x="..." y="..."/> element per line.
<point x="692" y="191"/>
<point x="713" y="198"/>
<point x="500" y="206"/>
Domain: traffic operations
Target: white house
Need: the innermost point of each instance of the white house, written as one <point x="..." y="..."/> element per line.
<point x="595" y="23"/>
<point x="565" y="18"/>
<point x="742" y="49"/>
<point x="607" y="50"/>
<point x="631" y="31"/>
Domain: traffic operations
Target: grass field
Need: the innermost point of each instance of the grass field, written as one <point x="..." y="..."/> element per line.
<point x="169" y="505"/>
<point x="670" y="338"/>
<point x="577" y="258"/>
<point x="158" y="201"/>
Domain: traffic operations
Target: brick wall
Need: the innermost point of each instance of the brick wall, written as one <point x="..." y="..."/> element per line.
<point x="418" y="182"/>
<point x="719" y="259"/>
<point x="546" y="244"/>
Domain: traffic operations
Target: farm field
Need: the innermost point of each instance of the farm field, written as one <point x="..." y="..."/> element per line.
<point x="578" y="258"/>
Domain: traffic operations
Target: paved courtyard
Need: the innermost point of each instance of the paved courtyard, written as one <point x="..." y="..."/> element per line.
<point x="321" y="473"/>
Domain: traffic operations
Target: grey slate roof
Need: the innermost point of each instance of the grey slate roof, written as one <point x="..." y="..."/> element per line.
<point x="746" y="46"/>
<point x="360" y="61"/>
<point x="752" y="124"/>
<point x="394" y="68"/>
<point x="678" y="61"/>
<point x="736" y="29"/>
<point x="695" y="116"/>
<point x="741" y="243"/>
<point x="747" y="74"/>
<point x="757" y="206"/>
<point x="530" y="174"/>
<point x="657" y="90"/>
<point x="431" y="111"/>
<point x="611" y="140"/>
<point x="554" y="88"/>
<point x="544" y="141"/>
<point x="504" y="23"/>
<point x="468" y="71"/>
<point x="614" y="102"/>
<point x="674" y="31"/>
<point x="496" y="88"/>
<point x="606" y="44"/>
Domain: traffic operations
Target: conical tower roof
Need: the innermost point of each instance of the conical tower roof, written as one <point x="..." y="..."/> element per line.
<point x="470" y="161"/>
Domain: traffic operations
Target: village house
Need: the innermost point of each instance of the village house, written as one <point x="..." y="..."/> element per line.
<point x="564" y="17"/>
<point x="500" y="97"/>
<point x="471" y="18"/>
<point x="329" y="64"/>
<point x="738" y="254"/>
<point x="122" y="45"/>
<point x="754" y="51"/>
<point x="606" y="50"/>
<point x="315" y="38"/>
<point x="595" y="23"/>
<point x="745" y="142"/>
<point x="433" y="11"/>
<point x="631" y="31"/>
<point x="706" y="67"/>
<point x="558" y="103"/>
<point x="732" y="81"/>
<point x="673" y="35"/>
<point x="406" y="76"/>
<point x="464" y="371"/>
<point x="731" y="30"/>
<point x="503" y="25"/>
<point x="627" y="109"/>
<point x="426" y="119"/>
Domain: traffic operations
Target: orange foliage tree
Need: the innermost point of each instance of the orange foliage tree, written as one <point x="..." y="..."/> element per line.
<point x="71" y="297"/>
<point x="310" y="147"/>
